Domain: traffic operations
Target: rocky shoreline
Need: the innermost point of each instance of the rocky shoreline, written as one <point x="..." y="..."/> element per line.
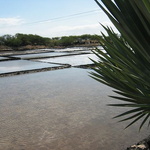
<point x="142" y="145"/>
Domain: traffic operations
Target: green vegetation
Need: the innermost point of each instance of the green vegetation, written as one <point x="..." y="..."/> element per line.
<point x="23" y="40"/>
<point x="125" y="65"/>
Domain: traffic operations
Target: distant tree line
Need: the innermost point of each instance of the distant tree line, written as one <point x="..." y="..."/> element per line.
<point x="23" y="40"/>
<point x="19" y="40"/>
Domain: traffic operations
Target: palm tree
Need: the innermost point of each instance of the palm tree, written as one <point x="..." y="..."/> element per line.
<point x="125" y="64"/>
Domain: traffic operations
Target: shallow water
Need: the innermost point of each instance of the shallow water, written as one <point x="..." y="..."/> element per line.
<point x="49" y="54"/>
<point x="29" y="56"/>
<point x="4" y="58"/>
<point x="74" y="49"/>
<point x="28" y="63"/>
<point x="75" y="60"/>
<point x="60" y="110"/>
<point x="21" y="65"/>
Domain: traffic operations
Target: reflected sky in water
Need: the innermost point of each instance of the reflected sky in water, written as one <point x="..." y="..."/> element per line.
<point x="29" y="56"/>
<point x="21" y="65"/>
<point x="61" y="110"/>
<point x="72" y="60"/>
<point x="4" y="58"/>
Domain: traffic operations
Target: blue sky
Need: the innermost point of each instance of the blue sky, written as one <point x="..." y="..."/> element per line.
<point x="51" y="18"/>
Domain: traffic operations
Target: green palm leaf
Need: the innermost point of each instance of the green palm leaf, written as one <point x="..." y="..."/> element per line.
<point x="125" y="64"/>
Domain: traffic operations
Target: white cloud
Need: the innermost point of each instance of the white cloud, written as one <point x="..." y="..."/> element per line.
<point x="63" y="30"/>
<point x="10" y="25"/>
<point x="107" y="23"/>
<point x="17" y="25"/>
<point x="81" y="27"/>
<point x="110" y="24"/>
<point x="78" y="27"/>
<point x="10" y="21"/>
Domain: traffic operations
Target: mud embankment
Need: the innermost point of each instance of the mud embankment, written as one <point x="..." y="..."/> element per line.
<point x="33" y="71"/>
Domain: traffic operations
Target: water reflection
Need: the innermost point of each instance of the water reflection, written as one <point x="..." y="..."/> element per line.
<point x="60" y="110"/>
<point x="74" y="49"/>
<point x="72" y="60"/>
<point x="50" y="54"/>
<point x="20" y="65"/>
<point x="30" y="56"/>
<point x="4" y="58"/>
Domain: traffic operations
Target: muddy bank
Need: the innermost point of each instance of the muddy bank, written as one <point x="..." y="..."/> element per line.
<point x="88" y="66"/>
<point x="33" y="47"/>
<point x="34" y="71"/>
<point x="5" y="48"/>
<point x="19" y="52"/>
<point x="27" y="47"/>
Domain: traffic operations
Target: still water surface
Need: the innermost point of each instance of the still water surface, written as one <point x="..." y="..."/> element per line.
<point x="3" y="58"/>
<point x="74" y="60"/>
<point x="60" y="110"/>
<point x="49" y="54"/>
<point x="22" y="65"/>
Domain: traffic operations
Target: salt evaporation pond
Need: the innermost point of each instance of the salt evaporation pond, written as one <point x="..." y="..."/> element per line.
<point x="30" y="56"/>
<point x="49" y="54"/>
<point x="74" y="49"/>
<point x="4" y="58"/>
<point x="21" y="65"/>
<point x="74" y="60"/>
<point x="60" y="110"/>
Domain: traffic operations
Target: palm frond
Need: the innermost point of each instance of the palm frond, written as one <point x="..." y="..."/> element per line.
<point x="125" y="64"/>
